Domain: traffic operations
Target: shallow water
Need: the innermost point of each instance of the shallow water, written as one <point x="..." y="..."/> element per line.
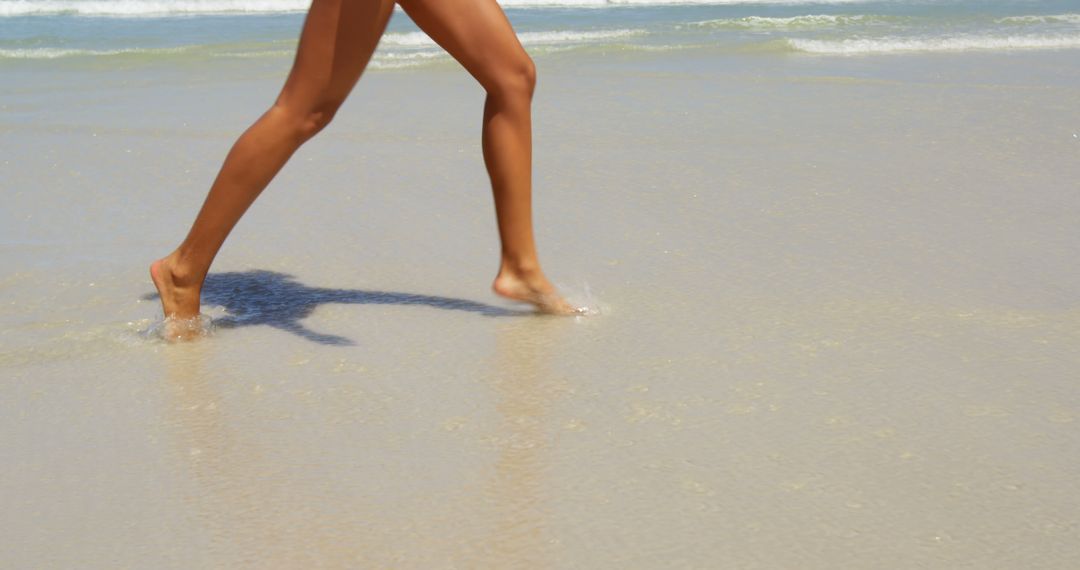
<point x="839" y="323"/>
<point x="123" y="33"/>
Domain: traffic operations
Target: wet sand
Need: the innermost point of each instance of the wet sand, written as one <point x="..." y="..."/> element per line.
<point x="839" y="329"/>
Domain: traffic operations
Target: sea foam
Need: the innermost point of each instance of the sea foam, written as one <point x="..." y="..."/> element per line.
<point x="807" y="22"/>
<point x="55" y="53"/>
<point x="158" y="8"/>
<point x="1049" y="19"/>
<point x="420" y="39"/>
<point x="863" y="46"/>
<point x="10" y="8"/>
<point x="645" y="3"/>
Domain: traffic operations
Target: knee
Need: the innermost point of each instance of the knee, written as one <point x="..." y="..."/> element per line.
<point x="517" y="82"/>
<point x="305" y="122"/>
<point x="310" y="122"/>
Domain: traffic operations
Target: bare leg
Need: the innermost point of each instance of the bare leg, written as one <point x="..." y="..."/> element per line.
<point x="336" y="44"/>
<point x="478" y="35"/>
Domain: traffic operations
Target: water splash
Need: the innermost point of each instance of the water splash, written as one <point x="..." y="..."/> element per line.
<point x="172" y="329"/>
<point x="586" y="303"/>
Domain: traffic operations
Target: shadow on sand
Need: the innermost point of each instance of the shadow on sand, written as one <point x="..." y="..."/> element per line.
<point x="259" y="297"/>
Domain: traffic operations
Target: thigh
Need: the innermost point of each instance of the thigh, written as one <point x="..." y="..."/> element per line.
<point x="475" y="32"/>
<point x="336" y="44"/>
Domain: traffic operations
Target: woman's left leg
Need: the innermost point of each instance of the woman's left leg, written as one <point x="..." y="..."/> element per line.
<point x="337" y="41"/>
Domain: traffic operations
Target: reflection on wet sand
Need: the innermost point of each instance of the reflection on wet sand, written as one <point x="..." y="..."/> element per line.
<point x="525" y="390"/>
<point x="272" y="507"/>
<point x="254" y="515"/>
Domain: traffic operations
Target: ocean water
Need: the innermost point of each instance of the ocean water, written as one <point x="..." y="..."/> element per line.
<point x="97" y="31"/>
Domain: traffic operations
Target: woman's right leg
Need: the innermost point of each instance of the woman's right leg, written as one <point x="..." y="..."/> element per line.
<point x="479" y="36"/>
<point x="336" y="44"/>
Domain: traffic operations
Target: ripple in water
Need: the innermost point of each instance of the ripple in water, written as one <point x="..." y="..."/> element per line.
<point x="172" y="329"/>
<point x="584" y="301"/>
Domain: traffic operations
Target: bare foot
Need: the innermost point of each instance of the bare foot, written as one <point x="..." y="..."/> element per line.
<point x="536" y="290"/>
<point x="179" y="300"/>
<point x="179" y="303"/>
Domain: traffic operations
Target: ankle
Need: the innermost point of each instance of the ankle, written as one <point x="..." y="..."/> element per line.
<point x="524" y="269"/>
<point x="182" y="272"/>
<point x="516" y="281"/>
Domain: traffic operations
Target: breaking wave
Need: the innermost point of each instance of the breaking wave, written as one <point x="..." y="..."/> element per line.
<point x="942" y="44"/>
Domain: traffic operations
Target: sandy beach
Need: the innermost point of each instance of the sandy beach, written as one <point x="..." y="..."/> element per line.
<point x="839" y="322"/>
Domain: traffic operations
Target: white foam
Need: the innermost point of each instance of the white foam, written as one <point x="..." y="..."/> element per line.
<point x="420" y="39"/>
<point x="407" y="39"/>
<point x="54" y="53"/>
<point x="573" y="37"/>
<point x="416" y="55"/>
<point x="809" y="21"/>
<point x="411" y="47"/>
<point x="147" y="7"/>
<point x="1051" y="19"/>
<point x="943" y="44"/>
<point x="404" y="60"/>
<point x="158" y="8"/>
<point x="613" y="3"/>
<point x="256" y="54"/>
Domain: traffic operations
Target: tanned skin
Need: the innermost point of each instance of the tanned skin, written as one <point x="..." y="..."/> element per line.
<point x="336" y="44"/>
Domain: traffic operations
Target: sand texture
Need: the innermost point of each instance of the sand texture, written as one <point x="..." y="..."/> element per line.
<point x="840" y="323"/>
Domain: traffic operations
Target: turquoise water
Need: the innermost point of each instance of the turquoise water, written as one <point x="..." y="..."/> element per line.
<point x="93" y="30"/>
